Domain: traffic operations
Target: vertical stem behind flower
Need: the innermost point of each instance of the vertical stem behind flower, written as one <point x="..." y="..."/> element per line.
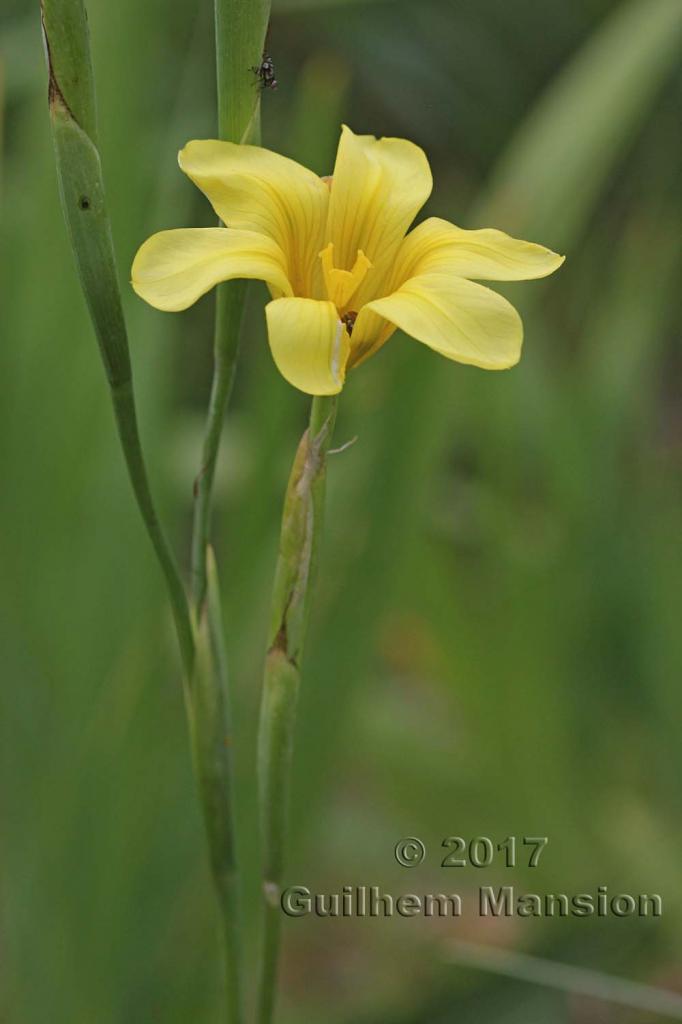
<point x="240" y="30"/>
<point x="229" y="308"/>
<point x="71" y="99"/>
<point x="294" y="578"/>
<point x="240" y="27"/>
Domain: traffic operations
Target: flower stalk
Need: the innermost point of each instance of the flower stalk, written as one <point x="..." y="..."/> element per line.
<point x="300" y="534"/>
<point x="71" y="97"/>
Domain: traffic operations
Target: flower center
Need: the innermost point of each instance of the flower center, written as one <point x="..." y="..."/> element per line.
<point x="341" y="285"/>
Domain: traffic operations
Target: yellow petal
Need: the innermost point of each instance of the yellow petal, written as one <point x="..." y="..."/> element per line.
<point x="254" y="189"/>
<point x="172" y="269"/>
<point x="377" y="189"/>
<point x="370" y="332"/>
<point x="485" y="254"/>
<point x="461" y="320"/>
<point x="309" y="344"/>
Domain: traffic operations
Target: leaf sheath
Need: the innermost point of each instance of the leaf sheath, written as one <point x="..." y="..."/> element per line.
<point x="300" y="535"/>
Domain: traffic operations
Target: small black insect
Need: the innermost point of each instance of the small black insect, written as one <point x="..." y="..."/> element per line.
<point x="266" y="72"/>
<point x="348" y="319"/>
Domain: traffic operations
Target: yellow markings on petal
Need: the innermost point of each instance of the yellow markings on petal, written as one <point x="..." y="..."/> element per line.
<point x="172" y="269"/>
<point x="485" y="254"/>
<point x="309" y="344"/>
<point x="254" y="189"/>
<point x="378" y="187"/>
<point x="342" y="284"/>
<point x="459" y="319"/>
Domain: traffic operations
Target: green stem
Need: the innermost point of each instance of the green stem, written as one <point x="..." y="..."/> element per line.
<point x="240" y="29"/>
<point x="126" y="422"/>
<point x="73" y="121"/>
<point x="211" y="734"/>
<point x="229" y="307"/>
<point x="300" y="534"/>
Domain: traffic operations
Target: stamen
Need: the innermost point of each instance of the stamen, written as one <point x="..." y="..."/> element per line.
<point x="341" y="284"/>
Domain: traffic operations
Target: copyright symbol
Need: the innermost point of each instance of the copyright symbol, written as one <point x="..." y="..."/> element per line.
<point x="410" y="852"/>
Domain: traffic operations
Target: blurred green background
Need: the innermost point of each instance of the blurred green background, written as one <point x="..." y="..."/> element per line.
<point x="495" y="646"/>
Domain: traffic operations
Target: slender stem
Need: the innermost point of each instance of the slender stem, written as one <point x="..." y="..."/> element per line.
<point x="240" y="28"/>
<point x="126" y="422"/>
<point x="211" y="734"/>
<point x="229" y="307"/>
<point x="301" y="530"/>
<point x="71" y="100"/>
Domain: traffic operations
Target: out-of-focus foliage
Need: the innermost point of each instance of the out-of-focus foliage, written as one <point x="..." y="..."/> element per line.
<point x="495" y="647"/>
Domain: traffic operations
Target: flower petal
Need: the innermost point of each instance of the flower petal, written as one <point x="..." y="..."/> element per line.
<point x="309" y="344"/>
<point x="377" y="189"/>
<point x="370" y="332"/>
<point x="254" y="189"/>
<point x="485" y="254"/>
<point x="461" y="320"/>
<point x="172" y="269"/>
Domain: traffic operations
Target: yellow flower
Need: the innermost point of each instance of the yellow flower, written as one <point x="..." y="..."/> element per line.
<point x="335" y="254"/>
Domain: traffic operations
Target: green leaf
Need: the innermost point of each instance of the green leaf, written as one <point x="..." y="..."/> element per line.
<point x="71" y="100"/>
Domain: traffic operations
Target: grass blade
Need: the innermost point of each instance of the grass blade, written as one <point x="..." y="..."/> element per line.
<point x="580" y="981"/>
